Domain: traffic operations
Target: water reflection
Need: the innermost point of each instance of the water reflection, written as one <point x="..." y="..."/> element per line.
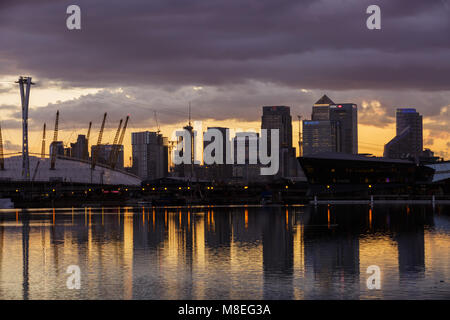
<point x="300" y="252"/>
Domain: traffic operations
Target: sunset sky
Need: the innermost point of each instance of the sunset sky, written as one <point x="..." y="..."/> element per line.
<point x="228" y="59"/>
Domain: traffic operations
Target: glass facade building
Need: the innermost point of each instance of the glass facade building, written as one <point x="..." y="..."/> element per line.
<point x="333" y="128"/>
<point x="408" y="143"/>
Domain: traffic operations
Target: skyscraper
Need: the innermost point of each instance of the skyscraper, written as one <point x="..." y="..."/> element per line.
<point x="345" y="117"/>
<point x="332" y="128"/>
<point x="409" y="139"/>
<point x="150" y="155"/>
<point x="279" y="117"/>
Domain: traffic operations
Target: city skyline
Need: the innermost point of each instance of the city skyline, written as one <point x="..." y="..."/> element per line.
<point x="226" y="70"/>
<point x="69" y="137"/>
<point x="225" y="156"/>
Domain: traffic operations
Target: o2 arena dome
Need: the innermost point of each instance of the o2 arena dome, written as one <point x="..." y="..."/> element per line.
<point x="69" y="170"/>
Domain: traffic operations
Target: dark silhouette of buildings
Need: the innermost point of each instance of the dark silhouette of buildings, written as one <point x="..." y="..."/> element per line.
<point x="150" y="155"/>
<point x="408" y="143"/>
<point x="279" y="117"/>
<point x="332" y="128"/>
<point x="79" y="149"/>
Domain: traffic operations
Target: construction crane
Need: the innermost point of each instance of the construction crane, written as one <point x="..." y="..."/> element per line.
<point x="114" y="145"/>
<point x="2" y="160"/>
<point x="156" y="120"/>
<point x="99" y="142"/>
<point x="122" y="135"/>
<point x="86" y="150"/>
<point x="55" y="138"/>
<point x="43" y="144"/>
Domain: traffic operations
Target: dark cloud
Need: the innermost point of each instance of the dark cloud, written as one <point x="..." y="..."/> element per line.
<point x="244" y="54"/>
<point x="309" y="44"/>
<point x="11" y="124"/>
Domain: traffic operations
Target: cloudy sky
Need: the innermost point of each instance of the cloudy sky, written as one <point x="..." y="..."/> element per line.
<point x="228" y="58"/>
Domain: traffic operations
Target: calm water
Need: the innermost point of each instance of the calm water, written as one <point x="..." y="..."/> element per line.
<point x="297" y="252"/>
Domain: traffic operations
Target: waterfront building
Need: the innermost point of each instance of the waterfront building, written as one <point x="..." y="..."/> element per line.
<point x="332" y="128"/>
<point x="408" y="142"/>
<point x="319" y="136"/>
<point x="150" y="153"/>
<point x="279" y="117"/>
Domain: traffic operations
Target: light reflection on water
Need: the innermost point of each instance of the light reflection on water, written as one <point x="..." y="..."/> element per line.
<point x="298" y="252"/>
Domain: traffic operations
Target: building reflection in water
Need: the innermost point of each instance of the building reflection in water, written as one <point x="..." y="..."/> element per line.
<point x="277" y="242"/>
<point x="25" y="254"/>
<point x="209" y="252"/>
<point x="331" y="247"/>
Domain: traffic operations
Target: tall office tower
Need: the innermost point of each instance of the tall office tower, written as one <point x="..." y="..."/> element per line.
<point x="408" y="117"/>
<point x="79" y="149"/>
<point x="279" y="117"/>
<point x="224" y="171"/>
<point x="409" y="139"/>
<point x="319" y="137"/>
<point x="150" y="155"/>
<point x="332" y="128"/>
<point x="104" y="154"/>
<point x="321" y="109"/>
<point x="346" y="118"/>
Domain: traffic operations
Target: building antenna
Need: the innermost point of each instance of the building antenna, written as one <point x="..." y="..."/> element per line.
<point x="189" y="113"/>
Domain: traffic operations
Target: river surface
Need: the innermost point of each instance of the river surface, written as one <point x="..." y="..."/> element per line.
<point x="213" y="252"/>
